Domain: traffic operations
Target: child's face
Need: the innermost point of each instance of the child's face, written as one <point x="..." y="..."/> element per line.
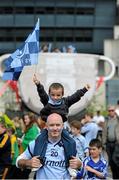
<point x="94" y="151"/>
<point x="55" y="94"/>
<point x="74" y="131"/>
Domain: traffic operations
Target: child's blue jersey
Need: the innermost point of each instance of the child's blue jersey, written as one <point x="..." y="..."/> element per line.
<point x="81" y="145"/>
<point x="100" y="166"/>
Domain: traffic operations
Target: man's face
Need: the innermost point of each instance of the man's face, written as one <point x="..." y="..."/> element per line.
<point x="2" y="129"/>
<point x="56" y="94"/>
<point x="54" y="126"/>
<point x="111" y="112"/>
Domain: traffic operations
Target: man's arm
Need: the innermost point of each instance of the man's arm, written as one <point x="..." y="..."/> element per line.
<point x="75" y="163"/>
<point x="26" y="159"/>
<point x="29" y="163"/>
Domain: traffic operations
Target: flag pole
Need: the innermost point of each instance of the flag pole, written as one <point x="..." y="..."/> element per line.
<point x="36" y="65"/>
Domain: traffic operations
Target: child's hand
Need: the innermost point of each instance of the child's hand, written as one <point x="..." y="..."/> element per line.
<point x="87" y="86"/>
<point x="35" y="80"/>
<point x="88" y="168"/>
<point x="83" y="121"/>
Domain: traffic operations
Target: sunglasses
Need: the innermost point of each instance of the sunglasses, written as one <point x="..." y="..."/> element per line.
<point x="111" y="110"/>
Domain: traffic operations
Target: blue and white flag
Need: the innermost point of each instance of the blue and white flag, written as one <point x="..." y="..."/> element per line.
<point x="26" y="55"/>
<point x="12" y="74"/>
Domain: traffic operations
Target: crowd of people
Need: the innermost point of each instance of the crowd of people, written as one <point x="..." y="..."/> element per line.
<point x="48" y="48"/>
<point x="52" y="147"/>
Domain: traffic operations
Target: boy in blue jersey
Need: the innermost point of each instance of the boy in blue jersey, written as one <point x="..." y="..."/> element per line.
<point x="94" y="166"/>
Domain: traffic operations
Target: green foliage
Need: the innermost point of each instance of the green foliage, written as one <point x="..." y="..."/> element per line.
<point x="95" y="106"/>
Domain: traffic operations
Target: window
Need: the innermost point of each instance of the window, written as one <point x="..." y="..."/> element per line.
<point x="117" y="71"/>
<point x="46" y="10"/>
<point x="48" y="34"/>
<point x="6" y="10"/>
<point x="67" y="34"/>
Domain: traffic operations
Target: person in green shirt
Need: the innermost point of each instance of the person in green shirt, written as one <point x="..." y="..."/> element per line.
<point x="31" y="129"/>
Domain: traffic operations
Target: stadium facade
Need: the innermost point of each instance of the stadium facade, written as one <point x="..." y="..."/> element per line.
<point x="83" y="23"/>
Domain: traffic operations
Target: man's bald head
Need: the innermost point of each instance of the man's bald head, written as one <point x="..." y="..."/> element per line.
<point x="54" y="117"/>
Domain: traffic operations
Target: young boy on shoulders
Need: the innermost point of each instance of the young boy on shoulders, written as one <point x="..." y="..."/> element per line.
<point x="54" y="100"/>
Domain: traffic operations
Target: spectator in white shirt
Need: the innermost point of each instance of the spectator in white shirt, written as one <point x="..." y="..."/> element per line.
<point x="99" y="120"/>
